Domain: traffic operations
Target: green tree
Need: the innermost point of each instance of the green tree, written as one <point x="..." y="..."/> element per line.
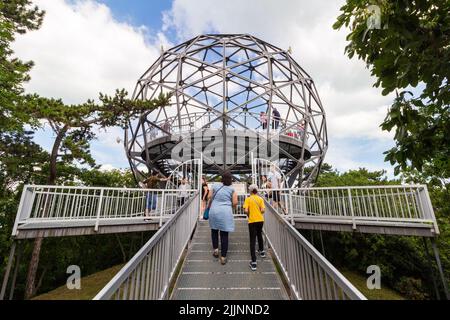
<point x="112" y="178"/>
<point x="21" y="161"/>
<point x="16" y="17"/>
<point x="92" y="253"/>
<point x="361" y="177"/>
<point x="403" y="261"/>
<point x="410" y="50"/>
<point x="73" y="126"/>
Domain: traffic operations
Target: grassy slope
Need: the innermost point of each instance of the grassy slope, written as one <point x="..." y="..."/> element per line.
<point x="90" y="286"/>
<point x="360" y="283"/>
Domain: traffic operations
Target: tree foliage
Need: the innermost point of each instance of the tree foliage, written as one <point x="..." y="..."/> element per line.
<point x="403" y="261"/>
<point x="16" y="17"/>
<point x="410" y="50"/>
<point x="75" y="126"/>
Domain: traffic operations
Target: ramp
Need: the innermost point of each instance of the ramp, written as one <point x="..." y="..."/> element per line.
<point x="203" y="277"/>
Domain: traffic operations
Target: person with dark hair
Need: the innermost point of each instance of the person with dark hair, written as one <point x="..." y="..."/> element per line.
<point x="183" y="193"/>
<point x="152" y="182"/>
<point x="263" y="119"/>
<point x="205" y="193"/>
<point x="222" y="200"/>
<point x="276" y="118"/>
<point x="254" y="208"/>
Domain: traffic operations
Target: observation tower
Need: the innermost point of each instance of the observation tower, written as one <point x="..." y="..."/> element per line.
<point x="233" y="96"/>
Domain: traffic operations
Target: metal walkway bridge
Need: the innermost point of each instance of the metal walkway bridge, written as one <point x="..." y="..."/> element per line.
<point x="182" y="240"/>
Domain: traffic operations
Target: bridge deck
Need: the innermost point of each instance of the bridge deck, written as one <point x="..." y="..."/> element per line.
<point x="394" y="227"/>
<point x="203" y="277"/>
<point x="53" y="228"/>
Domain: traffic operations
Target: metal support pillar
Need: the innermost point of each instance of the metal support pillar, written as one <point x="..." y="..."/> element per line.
<point x="439" y="265"/>
<point x="321" y="243"/>
<point x="8" y="270"/>
<point x="431" y="268"/>
<point x="16" y="270"/>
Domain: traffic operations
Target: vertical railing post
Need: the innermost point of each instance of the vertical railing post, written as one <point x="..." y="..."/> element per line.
<point x="200" y="189"/>
<point x="99" y="209"/>
<point x="162" y="207"/>
<point x="291" y="208"/>
<point x="252" y="159"/>
<point x="428" y="208"/>
<point x="25" y="207"/>
<point x="351" y="208"/>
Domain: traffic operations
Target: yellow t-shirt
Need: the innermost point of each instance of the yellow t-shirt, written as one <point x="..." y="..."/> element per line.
<point x="254" y="204"/>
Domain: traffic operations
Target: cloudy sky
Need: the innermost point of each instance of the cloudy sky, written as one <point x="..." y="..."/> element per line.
<point x="88" y="46"/>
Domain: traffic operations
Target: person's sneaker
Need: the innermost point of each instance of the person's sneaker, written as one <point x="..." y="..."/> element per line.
<point x="253" y="265"/>
<point x="223" y="260"/>
<point x="216" y="253"/>
<point x="262" y="254"/>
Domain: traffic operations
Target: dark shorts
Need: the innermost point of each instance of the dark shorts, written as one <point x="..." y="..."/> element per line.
<point x="276" y="196"/>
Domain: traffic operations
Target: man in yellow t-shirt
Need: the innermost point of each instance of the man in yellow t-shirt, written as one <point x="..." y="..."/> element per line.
<point x="254" y="208"/>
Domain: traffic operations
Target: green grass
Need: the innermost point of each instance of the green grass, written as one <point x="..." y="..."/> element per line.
<point x="376" y="294"/>
<point x="90" y="286"/>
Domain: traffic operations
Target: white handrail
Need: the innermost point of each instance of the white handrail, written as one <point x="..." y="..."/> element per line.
<point x="42" y="203"/>
<point x="386" y="203"/>
<point x="148" y="274"/>
<point x="309" y="274"/>
<point x="195" y="121"/>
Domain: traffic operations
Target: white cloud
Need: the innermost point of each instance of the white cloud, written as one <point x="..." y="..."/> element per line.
<point x="81" y="50"/>
<point x="354" y="108"/>
<point x="107" y="167"/>
<point x="345" y="154"/>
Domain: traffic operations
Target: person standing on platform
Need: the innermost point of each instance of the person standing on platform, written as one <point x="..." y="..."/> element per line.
<point x="183" y="193"/>
<point x="263" y="119"/>
<point x="276" y="118"/>
<point x="152" y="182"/>
<point x="222" y="200"/>
<point x="276" y="184"/>
<point x="205" y="193"/>
<point x="254" y="208"/>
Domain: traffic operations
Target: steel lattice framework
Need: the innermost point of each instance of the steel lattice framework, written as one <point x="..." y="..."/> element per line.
<point x="223" y="82"/>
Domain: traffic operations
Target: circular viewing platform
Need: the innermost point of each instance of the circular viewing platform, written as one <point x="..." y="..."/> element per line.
<point x="178" y="139"/>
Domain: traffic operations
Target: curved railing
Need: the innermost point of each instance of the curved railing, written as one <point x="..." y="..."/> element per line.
<point x="266" y="168"/>
<point x="188" y="123"/>
<point x="189" y="171"/>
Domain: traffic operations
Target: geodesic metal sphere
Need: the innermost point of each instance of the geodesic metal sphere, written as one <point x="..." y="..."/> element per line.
<point x="233" y="86"/>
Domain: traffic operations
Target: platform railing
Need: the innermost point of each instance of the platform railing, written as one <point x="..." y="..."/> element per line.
<point x="238" y="211"/>
<point x="148" y="274"/>
<point x="389" y="203"/>
<point x="187" y="123"/>
<point x="41" y="203"/>
<point x="310" y="275"/>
